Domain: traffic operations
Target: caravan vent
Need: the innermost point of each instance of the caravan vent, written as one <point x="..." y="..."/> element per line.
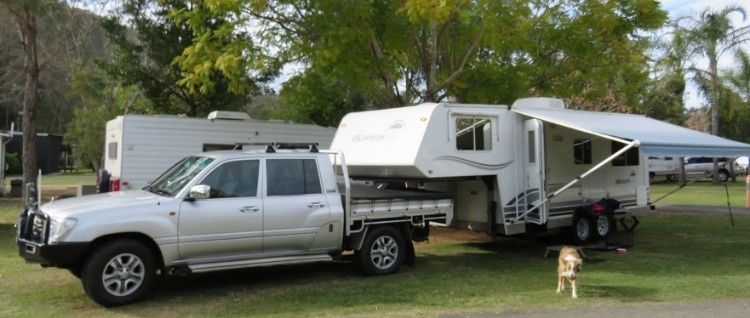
<point x="539" y="102"/>
<point x="225" y="115"/>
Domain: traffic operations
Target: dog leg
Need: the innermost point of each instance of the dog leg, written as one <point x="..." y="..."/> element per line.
<point x="562" y="280"/>
<point x="574" y="285"/>
<point x="559" y="284"/>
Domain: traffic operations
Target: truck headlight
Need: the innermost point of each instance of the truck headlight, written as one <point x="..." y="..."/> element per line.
<point x="59" y="228"/>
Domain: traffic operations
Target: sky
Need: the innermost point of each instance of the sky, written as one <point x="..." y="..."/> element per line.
<point x="680" y="8"/>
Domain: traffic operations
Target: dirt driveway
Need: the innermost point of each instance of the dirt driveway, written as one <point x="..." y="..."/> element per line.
<point x="723" y="308"/>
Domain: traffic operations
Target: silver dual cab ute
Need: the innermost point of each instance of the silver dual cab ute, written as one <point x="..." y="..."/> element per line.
<point x="228" y="210"/>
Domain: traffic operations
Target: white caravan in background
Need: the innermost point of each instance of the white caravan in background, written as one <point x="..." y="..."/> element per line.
<point x="140" y="147"/>
<point x="512" y="169"/>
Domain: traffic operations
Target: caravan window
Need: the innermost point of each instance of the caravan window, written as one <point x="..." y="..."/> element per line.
<point x="473" y="133"/>
<point x="629" y="158"/>
<point x="582" y="151"/>
<point x="112" y="150"/>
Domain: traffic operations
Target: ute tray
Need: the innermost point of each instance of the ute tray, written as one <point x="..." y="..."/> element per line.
<point x="363" y="192"/>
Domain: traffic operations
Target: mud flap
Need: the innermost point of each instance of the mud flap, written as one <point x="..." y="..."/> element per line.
<point x="411" y="257"/>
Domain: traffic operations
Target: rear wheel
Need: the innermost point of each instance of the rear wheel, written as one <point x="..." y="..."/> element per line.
<point x="602" y="225"/>
<point x="383" y="251"/>
<point x="120" y="272"/>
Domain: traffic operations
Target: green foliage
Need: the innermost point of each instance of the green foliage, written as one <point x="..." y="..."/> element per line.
<point x="220" y="47"/>
<point x="398" y="52"/>
<point x="735" y="115"/>
<point x="146" y="58"/>
<point x="313" y="98"/>
<point x="663" y="99"/>
<point x="14" y="164"/>
<point x="100" y="100"/>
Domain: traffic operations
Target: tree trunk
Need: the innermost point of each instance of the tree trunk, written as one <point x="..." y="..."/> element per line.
<point x="26" y="23"/>
<point x="714" y="77"/>
<point x="431" y="89"/>
<point x="732" y="173"/>
<point x="192" y="107"/>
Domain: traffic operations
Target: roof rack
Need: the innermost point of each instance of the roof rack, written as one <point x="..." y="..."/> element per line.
<point x="272" y="147"/>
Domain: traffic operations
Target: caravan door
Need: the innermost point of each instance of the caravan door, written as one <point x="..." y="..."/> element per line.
<point x="534" y="161"/>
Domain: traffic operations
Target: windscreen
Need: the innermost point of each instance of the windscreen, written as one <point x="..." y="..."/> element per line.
<point x="176" y="177"/>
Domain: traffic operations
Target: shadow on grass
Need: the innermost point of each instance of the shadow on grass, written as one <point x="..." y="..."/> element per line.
<point x="622" y="293"/>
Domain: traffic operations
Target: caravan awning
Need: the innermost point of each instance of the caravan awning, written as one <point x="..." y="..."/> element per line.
<point x="656" y="138"/>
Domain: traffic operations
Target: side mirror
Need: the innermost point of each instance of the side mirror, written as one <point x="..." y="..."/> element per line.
<point x="200" y="192"/>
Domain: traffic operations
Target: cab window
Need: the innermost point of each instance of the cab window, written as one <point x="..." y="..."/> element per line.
<point x="234" y="179"/>
<point x="292" y="177"/>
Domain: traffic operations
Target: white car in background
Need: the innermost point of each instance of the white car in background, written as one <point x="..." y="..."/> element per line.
<point x="696" y="167"/>
<point x="663" y="166"/>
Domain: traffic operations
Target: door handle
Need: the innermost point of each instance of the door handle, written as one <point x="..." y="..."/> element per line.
<point x="316" y="205"/>
<point x="249" y="209"/>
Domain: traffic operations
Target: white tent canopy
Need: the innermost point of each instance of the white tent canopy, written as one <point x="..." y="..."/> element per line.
<point x="656" y="138"/>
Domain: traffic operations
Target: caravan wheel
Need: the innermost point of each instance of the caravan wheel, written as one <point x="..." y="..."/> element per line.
<point x="582" y="229"/>
<point x="602" y="225"/>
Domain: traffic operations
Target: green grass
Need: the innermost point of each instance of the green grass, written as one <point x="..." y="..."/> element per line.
<point x="701" y="193"/>
<point x="674" y="258"/>
<point x="64" y="179"/>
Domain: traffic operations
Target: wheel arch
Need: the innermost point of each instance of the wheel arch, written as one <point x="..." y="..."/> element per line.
<point x="136" y="236"/>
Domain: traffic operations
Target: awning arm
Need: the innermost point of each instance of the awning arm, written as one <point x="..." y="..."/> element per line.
<point x="634" y="143"/>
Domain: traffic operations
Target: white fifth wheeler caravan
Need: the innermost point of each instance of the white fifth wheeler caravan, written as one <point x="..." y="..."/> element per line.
<point x="533" y="165"/>
<point x="140" y="147"/>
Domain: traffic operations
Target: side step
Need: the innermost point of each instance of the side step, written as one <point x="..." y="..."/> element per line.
<point x="284" y="260"/>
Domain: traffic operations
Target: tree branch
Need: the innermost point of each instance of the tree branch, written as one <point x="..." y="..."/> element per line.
<point x="465" y="59"/>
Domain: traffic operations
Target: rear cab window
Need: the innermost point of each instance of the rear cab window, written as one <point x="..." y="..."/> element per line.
<point x="292" y="177"/>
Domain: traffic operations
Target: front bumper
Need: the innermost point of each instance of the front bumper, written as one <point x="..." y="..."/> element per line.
<point x="51" y="255"/>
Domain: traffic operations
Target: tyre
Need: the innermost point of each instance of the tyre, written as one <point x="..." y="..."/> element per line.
<point x="119" y="272"/>
<point x="602" y="225"/>
<point x="723" y="175"/>
<point x="582" y="229"/>
<point x="673" y="178"/>
<point x="651" y="177"/>
<point x="103" y="180"/>
<point x="383" y="251"/>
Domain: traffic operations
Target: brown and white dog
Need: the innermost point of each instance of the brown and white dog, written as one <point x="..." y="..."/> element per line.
<point x="569" y="264"/>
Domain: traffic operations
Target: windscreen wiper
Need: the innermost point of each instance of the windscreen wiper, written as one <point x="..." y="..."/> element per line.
<point x="158" y="191"/>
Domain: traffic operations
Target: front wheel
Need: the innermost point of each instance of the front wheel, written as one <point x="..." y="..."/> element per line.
<point x="582" y="229"/>
<point x="118" y="273"/>
<point x="383" y="251"/>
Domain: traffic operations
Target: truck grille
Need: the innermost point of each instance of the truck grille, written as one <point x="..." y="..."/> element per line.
<point x="36" y="228"/>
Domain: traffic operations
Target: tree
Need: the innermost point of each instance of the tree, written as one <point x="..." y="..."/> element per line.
<point x="141" y="57"/>
<point x="739" y="78"/>
<point x="712" y="34"/>
<point x="99" y="100"/>
<point x="664" y="93"/>
<point x="25" y="15"/>
<point x="399" y="52"/>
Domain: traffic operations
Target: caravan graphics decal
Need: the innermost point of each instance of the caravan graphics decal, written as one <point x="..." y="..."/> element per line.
<point x="394" y="129"/>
